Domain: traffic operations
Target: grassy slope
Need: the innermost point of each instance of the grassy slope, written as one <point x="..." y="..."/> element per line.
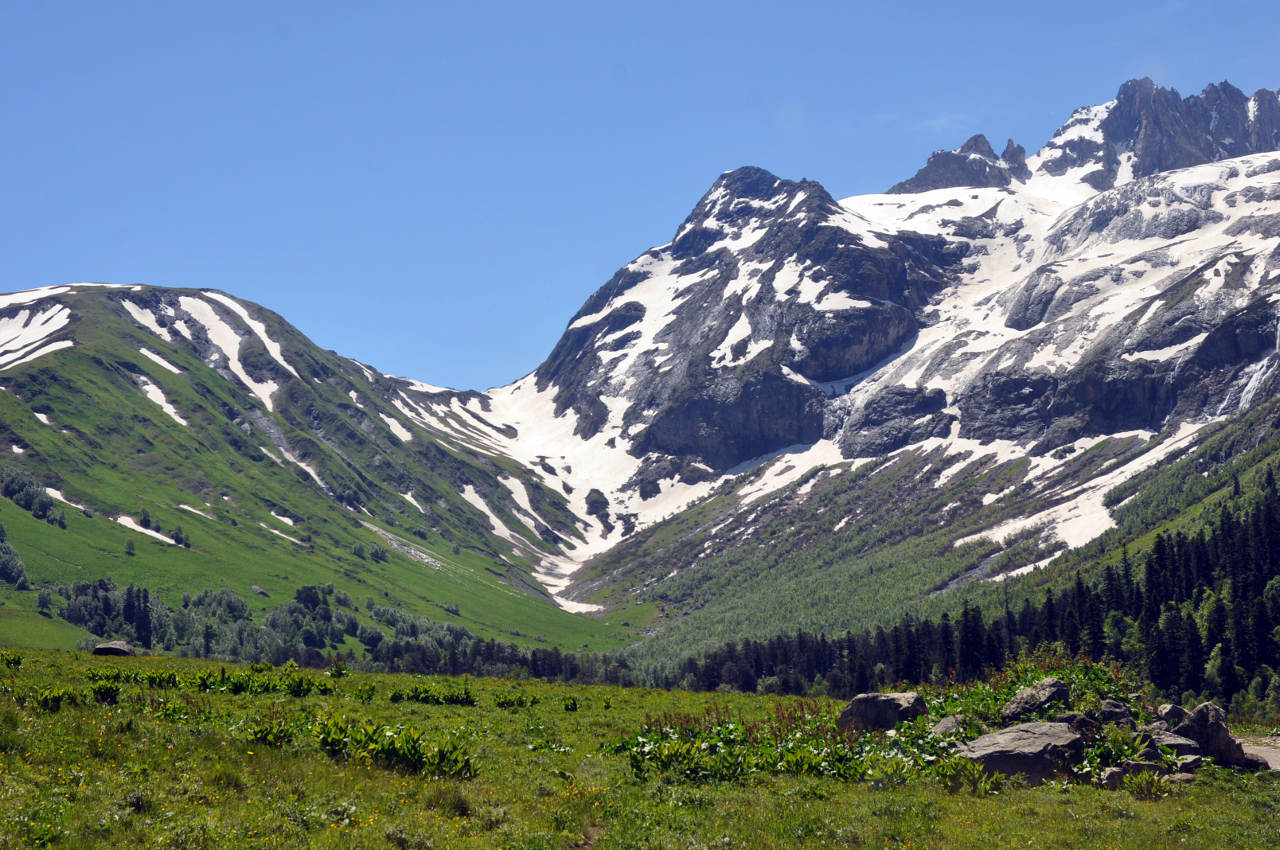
<point x="174" y="767"/>
<point x="111" y="449"/>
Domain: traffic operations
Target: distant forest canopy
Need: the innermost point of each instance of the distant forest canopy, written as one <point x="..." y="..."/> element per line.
<point x="1199" y="616"/>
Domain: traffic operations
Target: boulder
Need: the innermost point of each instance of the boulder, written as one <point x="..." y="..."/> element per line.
<point x="1179" y="778"/>
<point x="1140" y="765"/>
<point x="1036" y="697"/>
<point x="1190" y="764"/>
<point x="1111" y="778"/>
<point x="881" y="711"/>
<point x="1113" y="711"/>
<point x="1207" y="726"/>
<point x="1181" y="746"/>
<point x="948" y="725"/>
<point x="113" y="647"/>
<point x="1172" y="714"/>
<point x="1036" y="750"/>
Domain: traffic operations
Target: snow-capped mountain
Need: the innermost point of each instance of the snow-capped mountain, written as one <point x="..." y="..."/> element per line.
<point x="1109" y="298"/>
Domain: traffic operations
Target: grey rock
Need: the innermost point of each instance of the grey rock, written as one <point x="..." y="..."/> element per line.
<point x="1138" y="765"/>
<point x="1036" y="750"/>
<point x="1179" y="778"/>
<point x="114" y="647"/>
<point x="1207" y="726"/>
<point x="948" y="725"/>
<point x="259" y="591"/>
<point x="1035" y="697"/>
<point x="1113" y="711"/>
<point x="1172" y="714"/>
<point x="881" y="711"/>
<point x="1190" y="764"/>
<point x="1181" y="746"/>
<point x="1111" y="778"/>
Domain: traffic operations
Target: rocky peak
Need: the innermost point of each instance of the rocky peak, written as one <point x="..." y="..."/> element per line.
<point x="1148" y="129"/>
<point x="972" y="164"/>
<point x="1145" y="130"/>
<point x="978" y="146"/>
<point x="748" y="196"/>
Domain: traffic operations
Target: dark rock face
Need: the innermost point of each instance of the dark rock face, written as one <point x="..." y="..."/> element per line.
<point x="736" y="368"/>
<point x="1036" y="750"/>
<point x="1167" y="131"/>
<point x="735" y="419"/>
<point x="972" y="164"/>
<point x="881" y="711"/>
<point x="893" y="418"/>
<point x="1031" y="699"/>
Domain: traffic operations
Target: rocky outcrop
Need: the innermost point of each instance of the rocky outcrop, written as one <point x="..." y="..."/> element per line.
<point x="876" y="711"/>
<point x="1046" y="692"/>
<point x="114" y="647"/>
<point x="893" y="418"/>
<point x="1037" y="751"/>
<point x="1207" y="726"/>
<point x="972" y="164"/>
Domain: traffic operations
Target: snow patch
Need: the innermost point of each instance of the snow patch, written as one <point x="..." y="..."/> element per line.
<point x="147" y="319"/>
<point x="222" y="335"/>
<point x="397" y="428"/>
<point x="279" y="533"/>
<point x="57" y="495"/>
<point x="409" y="498"/>
<point x="308" y="468"/>
<point x="38" y="353"/>
<point x="154" y="393"/>
<point x="259" y="329"/>
<point x="159" y="361"/>
<point x="1082" y="517"/>
<point x="131" y="524"/>
<point x="196" y="511"/>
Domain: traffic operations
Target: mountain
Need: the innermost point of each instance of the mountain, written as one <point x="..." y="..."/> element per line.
<point x="138" y="409"/>
<point x="799" y="412"/>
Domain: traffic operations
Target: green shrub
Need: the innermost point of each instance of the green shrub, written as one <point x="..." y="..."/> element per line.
<point x="107" y="693"/>
<point x="52" y="699"/>
<point x="1145" y="785"/>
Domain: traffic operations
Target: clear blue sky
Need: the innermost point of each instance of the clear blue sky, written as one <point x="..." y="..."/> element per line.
<point x="437" y="190"/>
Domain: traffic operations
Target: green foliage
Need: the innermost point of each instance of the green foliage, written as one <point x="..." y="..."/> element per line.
<point x="194" y="763"/>
<point x="435" y="693"/>
<point x="958" y="774"/>
<point x="53" y="698"/>
<point x="1145" y="785"/>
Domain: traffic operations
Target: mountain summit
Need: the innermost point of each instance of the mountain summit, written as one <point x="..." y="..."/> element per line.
<point x="1144" y="130"/>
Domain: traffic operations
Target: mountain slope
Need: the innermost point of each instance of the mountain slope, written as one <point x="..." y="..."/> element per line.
<point x="277" y="459"/>
<point x="798" y="412"/>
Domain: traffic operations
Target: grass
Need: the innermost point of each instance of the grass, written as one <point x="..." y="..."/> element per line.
<point x="178" y="756"/>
